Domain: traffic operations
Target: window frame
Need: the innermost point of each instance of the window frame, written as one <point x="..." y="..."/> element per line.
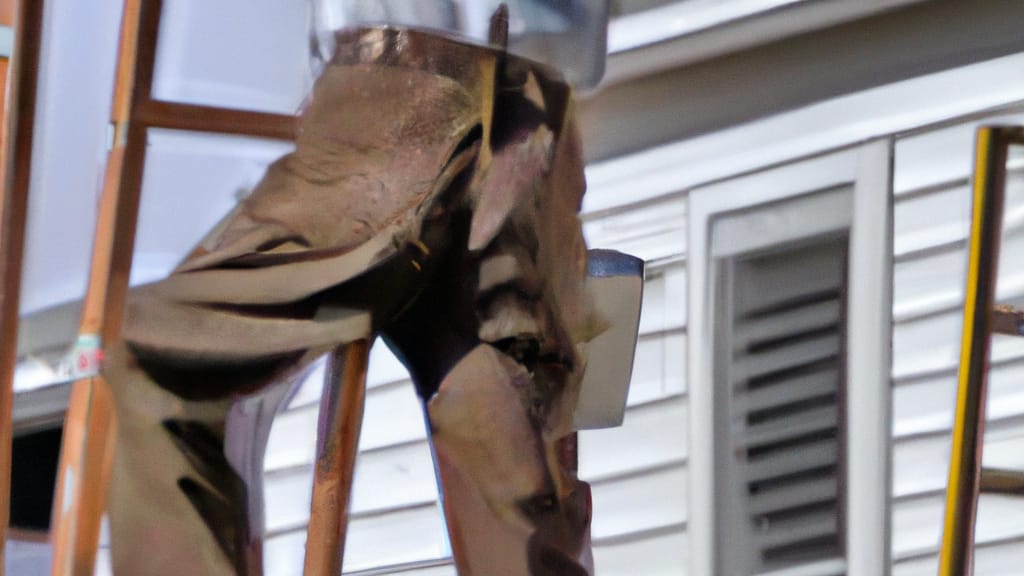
<point x="826" y="228"/>
<point x="867" y="171"/>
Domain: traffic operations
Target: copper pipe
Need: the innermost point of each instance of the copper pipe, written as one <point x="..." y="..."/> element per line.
<point x="341" y="417"/>
<point x="969" y="426"/>
<point x="15" y="173"/>
<point x="1006" y="320"/>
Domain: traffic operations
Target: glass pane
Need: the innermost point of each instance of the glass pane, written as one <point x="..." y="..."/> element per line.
<point x="567" y="34"/>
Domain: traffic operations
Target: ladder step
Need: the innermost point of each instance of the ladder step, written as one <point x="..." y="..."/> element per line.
<point x="1000" y="481"/>
<point x="1008" y="320"/>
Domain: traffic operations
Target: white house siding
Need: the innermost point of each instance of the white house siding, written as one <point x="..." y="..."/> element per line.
<point x="395" y="517"/>
<point x="638" y="472"/>
<point x="932" y="210"/>
<point x="932" y="205"/>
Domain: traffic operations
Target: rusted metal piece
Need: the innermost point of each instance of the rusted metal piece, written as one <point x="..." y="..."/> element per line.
<point x="969" y="425"/>
<point x="15" y="173"/>
<point x="1000" y="481"/>
<point x="341" y="418"/>
<point x="1008" y="320"/>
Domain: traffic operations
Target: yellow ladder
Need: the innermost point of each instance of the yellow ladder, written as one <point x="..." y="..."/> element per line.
<point x="982" y="317"/>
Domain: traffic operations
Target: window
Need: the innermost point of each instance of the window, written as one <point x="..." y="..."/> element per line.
<point x="790" y="280"/>
<point x="780" y="373"/>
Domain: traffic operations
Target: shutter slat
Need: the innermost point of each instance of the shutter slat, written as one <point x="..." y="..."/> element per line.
<point x="788" y="532"/>
<point x="794" y="495"/>
<point x="814" y="316"/>
<point x="790" y="390"/>
<point x="785" y="357"/>
<point x="793" y="425"/>
<point x="784" y="375"/>
<point x="807" y="457"/>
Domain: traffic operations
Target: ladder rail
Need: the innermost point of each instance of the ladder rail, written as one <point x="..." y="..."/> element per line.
<point x="988" y="193"/>
<point x="15" y="175"/>
<point x="87" y="449"/>
<point x="341" y="417"/>
<point x="88" y="444"/>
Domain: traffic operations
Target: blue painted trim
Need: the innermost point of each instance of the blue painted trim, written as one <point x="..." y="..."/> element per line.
<point x="606" y="263"/>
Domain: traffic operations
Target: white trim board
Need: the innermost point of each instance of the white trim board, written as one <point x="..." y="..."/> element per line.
<point x="830" y="125"/>
<point x="685" y="32"/>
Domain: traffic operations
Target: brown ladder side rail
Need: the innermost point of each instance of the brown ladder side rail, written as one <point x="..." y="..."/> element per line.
<point x="87" y="449"/>
<point x="83" y="472"/>
<point x="981" y="318"/>
<point x="15" y="167"/>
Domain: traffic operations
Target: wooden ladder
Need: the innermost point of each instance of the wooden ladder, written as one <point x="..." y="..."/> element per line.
<point x="16" y="137"/>
<point x="982" y="318"/>
<point x="89" y="429"/>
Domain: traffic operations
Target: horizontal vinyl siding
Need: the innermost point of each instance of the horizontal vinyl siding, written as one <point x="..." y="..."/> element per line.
<point x="1000" y="558"/>
<point x="638" y="472"/>
<point x="395" y="517"/>
<point x="656" y="553"/>
<point x="931" y="217"/>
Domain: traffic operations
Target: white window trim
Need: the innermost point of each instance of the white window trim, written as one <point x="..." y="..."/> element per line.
<point x="684" y="31"/>
<point x="867" y="169"/>
<point x="908" y="105"/>
<point x="869" y="364"/>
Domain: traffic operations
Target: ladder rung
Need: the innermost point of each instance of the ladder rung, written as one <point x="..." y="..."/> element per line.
<point x="1000" y="481"/>
<point x="1008" y="320"/>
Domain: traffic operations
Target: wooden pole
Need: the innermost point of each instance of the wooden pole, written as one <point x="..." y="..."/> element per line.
<point x="86" y="458"/>
<point x="15" y="172"/>
<point x="341" y="417"/>
<point x="210" y="119"/>
<point x="84" y="468"/>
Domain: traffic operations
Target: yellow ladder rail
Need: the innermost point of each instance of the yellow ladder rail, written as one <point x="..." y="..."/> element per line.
<point x="981" y="318"/>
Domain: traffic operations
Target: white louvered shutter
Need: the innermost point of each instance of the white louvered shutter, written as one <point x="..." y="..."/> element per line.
<point x="782" y="359"/>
